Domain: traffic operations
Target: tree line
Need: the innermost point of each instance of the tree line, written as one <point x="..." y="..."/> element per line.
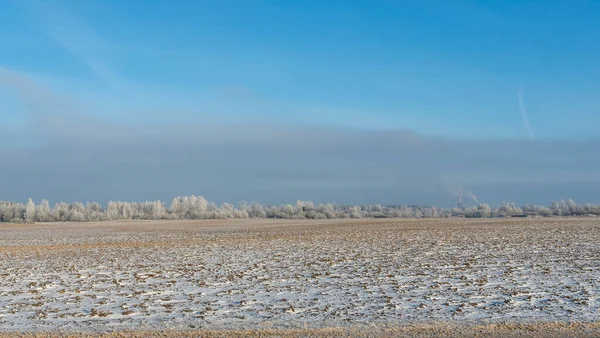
<point x="197" y="207"/>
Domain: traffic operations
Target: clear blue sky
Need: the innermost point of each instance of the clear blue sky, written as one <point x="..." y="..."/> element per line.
<point x="436" y="67"/>
<point x="348" y="101"/>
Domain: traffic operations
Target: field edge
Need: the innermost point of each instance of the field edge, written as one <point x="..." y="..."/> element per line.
<point x="508" y="329"/>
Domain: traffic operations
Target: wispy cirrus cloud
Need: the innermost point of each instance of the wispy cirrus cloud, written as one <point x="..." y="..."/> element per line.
<point x="76" y="36"/>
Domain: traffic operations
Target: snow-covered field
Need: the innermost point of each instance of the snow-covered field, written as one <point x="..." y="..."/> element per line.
<point x="248" y="274"/>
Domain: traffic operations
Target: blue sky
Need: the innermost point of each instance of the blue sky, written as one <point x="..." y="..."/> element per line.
<point x="476" y="74"/>
<point x="436" y="67"/>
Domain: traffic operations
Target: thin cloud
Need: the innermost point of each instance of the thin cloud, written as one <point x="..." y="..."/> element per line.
<point x="100" y="68"/>
<point x="86" y="159"/>
<point x="72" y="32"/>
<point x="37" y="99"/>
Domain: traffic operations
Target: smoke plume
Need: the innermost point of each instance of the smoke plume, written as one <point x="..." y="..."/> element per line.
<point x="473" y="197"/>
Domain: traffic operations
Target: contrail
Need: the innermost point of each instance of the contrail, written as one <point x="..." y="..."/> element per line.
<point x="524" y="115"/>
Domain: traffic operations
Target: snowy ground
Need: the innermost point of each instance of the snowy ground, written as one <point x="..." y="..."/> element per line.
<point x="248" y="274"/>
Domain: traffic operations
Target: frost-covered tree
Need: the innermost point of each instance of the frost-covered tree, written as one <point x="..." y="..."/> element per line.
<point x="189" y="207"/>
<point x="60" y="212"/>
<point x="256" y="211"/>
<point x="542" y="211"/>
<point x="287" y="211"/>
<point x="12" y="212"/>
<point x="560" y="208"/>
<point x="227" y="211"/>
<point x="197" y="207"/>
<point x="30" y="211"/>
<point x="355" y="212"/>
<point x="158" y="210"/>
<point x="509" y="209"/>
<point x="327" y="211"/>
<point x="43" y="212"/>
<point x="483" y="211"/>
<point x="176" y="208"/>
